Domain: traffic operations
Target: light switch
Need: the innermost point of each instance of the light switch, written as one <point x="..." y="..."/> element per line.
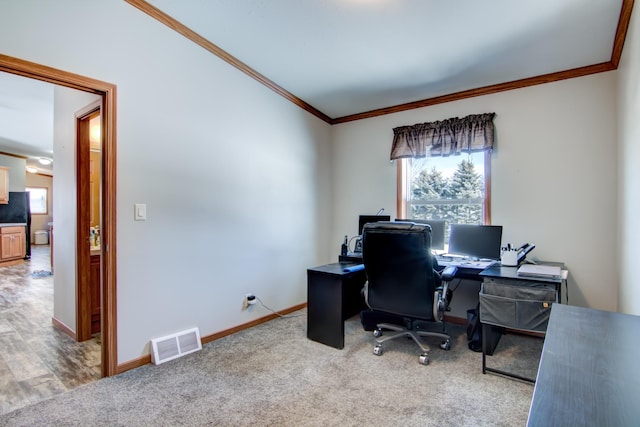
<point x="140" y="212"/>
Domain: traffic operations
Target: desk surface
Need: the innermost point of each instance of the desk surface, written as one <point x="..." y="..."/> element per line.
<point x="588" y="373"/>
<point x="337" y="268"/>
<point x="504" y="272"/>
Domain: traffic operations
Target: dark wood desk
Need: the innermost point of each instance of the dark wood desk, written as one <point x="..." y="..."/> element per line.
<point x="333" y="295"/>
<point x="588" y="374"/>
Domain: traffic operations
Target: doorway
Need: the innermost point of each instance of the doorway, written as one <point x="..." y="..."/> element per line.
<point x="107" y="93"/>
<point x="88" y="208"/>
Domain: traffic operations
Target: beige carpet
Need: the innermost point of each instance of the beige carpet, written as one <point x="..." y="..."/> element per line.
<point x="272" y="375"/>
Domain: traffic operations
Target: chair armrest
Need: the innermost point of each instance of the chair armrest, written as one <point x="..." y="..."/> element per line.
<point x="449" y="273"/>
<point x="443" y="295"/>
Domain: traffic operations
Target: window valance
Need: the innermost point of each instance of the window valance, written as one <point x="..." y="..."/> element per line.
<point x="443" y="138"/>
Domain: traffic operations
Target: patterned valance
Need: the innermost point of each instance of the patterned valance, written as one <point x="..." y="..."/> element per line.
<point x="443" y="138"/>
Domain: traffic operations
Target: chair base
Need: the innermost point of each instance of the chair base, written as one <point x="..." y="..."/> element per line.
<point x="411" y="333"/>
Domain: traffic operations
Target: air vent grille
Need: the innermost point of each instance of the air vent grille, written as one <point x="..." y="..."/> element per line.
<point x="176" y="345"/>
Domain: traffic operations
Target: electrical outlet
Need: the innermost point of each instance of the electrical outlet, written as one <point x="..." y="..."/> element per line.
<point x="249" y="299"/>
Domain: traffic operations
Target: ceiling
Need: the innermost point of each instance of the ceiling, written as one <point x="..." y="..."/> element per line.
<point x="348" y="59"/>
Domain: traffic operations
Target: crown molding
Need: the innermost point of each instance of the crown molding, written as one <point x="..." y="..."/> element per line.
<point x="182" y="29"/>
<point x="621" y="33"/>
<point x="13" y="155"/>
<point x="486" y="90"/>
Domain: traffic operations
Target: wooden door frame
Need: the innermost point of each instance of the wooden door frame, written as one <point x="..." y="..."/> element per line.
<point x="83" y="246"/>
<point x="108" y="233"/>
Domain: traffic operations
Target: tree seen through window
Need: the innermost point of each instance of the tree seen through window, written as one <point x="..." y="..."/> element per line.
<point x="440" y="190"/>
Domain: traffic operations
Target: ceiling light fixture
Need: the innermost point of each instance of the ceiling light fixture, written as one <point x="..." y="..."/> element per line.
<point x="45" y="161"/>
<point x="32" y="169"/>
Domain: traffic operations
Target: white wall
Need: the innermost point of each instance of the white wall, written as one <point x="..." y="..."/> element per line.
<point x="40" y="221"/>
<point x="629" y="173"/>
<point x="17" y="171"/>
<point x="553" y="176"/>
<point x="236" y="179"/>
<point x="65" y="105"/>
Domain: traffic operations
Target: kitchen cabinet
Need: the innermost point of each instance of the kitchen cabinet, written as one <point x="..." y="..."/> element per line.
<point x="4" y="185"/>
<point x="12" y="243"/>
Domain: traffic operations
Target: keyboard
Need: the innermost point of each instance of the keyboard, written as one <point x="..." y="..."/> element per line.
<point x="460" y="262"/>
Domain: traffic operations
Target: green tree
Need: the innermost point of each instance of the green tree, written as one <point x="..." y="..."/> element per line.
<point x="428" y="186"/>
<point x="467" y="184"/>
<point x="455" y="199"/>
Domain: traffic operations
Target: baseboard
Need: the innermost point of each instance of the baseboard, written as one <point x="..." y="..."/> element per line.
<point x="132" y="364"/>
<point x="455" y="320"/>
<point x="146" y="359"/>
<point x="64" y="328"/>
<point x="256" y="322"/>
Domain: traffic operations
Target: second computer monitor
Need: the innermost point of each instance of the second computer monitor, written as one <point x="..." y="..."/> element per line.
<point x="437" y="231"/>
<point x="476" y="241"/>
<point x="363" y="219"/>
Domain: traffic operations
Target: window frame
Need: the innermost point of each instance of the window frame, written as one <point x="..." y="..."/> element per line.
<point x="46" y="199"/>
<point x="403" y="190"/>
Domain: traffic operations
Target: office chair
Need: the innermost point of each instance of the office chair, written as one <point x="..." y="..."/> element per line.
<point x="403" y="291"/>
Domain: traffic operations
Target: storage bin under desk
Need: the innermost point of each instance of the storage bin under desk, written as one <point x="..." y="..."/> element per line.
<point x="522" y="305"/>
<point x="518" y="305"/>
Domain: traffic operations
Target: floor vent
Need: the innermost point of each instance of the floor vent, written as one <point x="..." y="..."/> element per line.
<point x="174" y="346"/>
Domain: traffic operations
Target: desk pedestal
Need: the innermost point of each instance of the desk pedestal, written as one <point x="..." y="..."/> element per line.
<point x="333" y="295"/>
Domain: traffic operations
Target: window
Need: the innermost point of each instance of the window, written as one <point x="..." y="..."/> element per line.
<point x="38" y="199"/>
<point x="444" y="169"/>
<point x="453" y="188"/>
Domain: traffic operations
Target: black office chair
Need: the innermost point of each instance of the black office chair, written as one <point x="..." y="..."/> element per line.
<point x="403" y="290"/>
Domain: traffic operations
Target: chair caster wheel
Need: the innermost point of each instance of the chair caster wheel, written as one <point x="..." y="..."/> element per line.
<point x="445" y="345"/>
<point x="377" y="332"/>
<point x="377" y="350"/>
<point x="424" y="359"/>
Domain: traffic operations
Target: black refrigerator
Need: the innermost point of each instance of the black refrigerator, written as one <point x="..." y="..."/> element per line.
<point x="18" y="211"/>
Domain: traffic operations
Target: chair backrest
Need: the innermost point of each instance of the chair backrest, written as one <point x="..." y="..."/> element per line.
<point x="399" y="265"/>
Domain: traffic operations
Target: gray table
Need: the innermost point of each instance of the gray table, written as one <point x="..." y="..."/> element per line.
<point x="589" y="372"/>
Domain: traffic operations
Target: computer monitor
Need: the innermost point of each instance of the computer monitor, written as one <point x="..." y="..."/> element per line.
<point x="370" y="218"/>
<point x="437" y="231"/>
<point x="476" y="241"/>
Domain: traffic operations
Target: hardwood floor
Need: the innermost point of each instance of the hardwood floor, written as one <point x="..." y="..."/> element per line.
<point x="37" y="361"/>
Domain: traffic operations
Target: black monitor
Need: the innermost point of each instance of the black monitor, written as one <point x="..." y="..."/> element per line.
<point x="437" y="231"/>
<point x="476" y="241"/>
<point x="370" y="218"/>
